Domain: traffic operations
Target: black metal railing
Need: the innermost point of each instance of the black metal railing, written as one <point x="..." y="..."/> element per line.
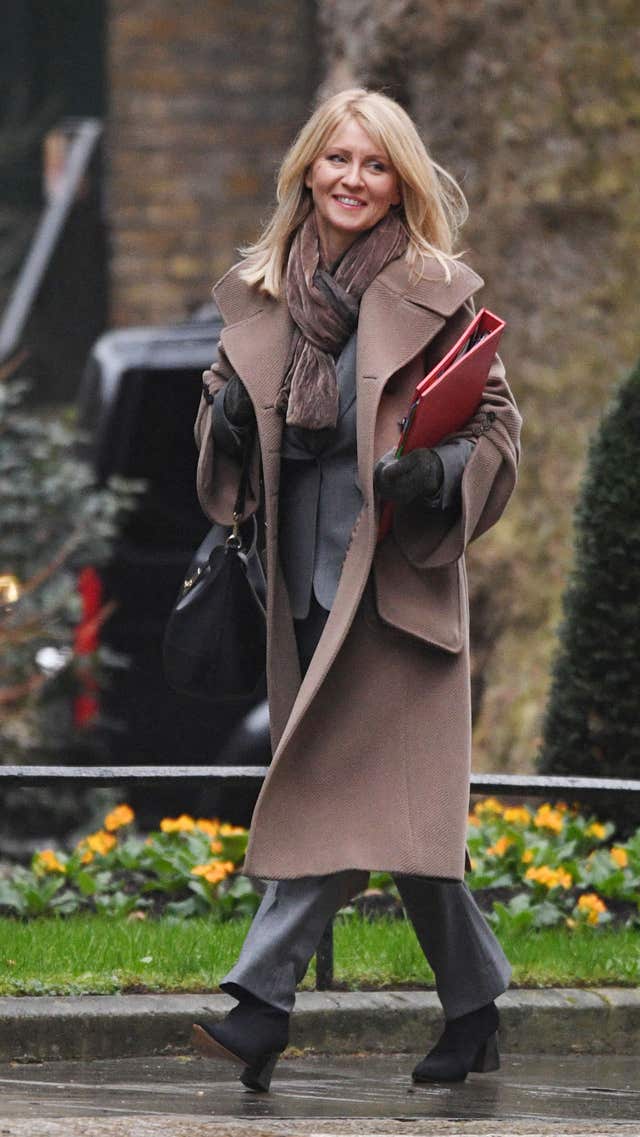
<point x="516" y="785"/>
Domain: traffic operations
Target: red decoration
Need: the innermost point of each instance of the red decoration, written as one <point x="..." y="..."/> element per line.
<point x="85" y="709"/>
<point x="86" y="640"/>
<point x="90" y="589"/>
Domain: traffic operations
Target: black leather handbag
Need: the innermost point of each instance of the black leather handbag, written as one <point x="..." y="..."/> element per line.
<point x="215" y="640"/>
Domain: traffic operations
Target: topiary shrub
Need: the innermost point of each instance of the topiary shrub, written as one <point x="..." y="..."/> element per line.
<point x="592" y="721"/>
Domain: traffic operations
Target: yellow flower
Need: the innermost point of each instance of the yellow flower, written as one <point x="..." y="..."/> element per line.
<point x="548" y="818"/>
<point x="597" y="830"/>
<point x="619" y="856"/>
<point x="500" y="847"/>
<point x="47" y="861"/>
<point x="569" y="922"/>
<point x="121" y="815"/>
<point x="551" y="878"/>
<point x="215" y="871"/>
<point x="472" y="819"/>
<point x="227" y="830"/>
<point x="592" y="906"/>
<point x="540" y="875"/>
<point x="489" y="805"/>
<point x="181" y="824"/>
<point x="216" y="846"/>
<point x="474" y="863"/>
<point x="527" y="856"/>
<point x="209" y="827"/>
<point x="517" y="815"/>
<point x="99" y="842"/>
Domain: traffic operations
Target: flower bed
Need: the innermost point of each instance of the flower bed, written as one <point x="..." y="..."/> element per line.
<point x="553" y="865"/>
<point x="189" y="867"/>
<point x="534" y="868"/>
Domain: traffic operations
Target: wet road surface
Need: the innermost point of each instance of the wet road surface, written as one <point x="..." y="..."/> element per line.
<point x="319" y="1094"/>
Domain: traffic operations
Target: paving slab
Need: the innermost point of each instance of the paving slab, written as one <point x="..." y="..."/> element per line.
<point x="322" y="1096"/>
<point x="594" y="1021"/>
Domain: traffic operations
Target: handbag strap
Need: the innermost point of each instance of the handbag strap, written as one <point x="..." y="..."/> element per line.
<point x="235" y="538"/>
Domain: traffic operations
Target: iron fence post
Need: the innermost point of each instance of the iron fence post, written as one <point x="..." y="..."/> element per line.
<point x="324" y="959"/>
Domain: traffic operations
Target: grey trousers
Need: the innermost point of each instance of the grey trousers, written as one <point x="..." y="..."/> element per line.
<point x="469" y="965"/>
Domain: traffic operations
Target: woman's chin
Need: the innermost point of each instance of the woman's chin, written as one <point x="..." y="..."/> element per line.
<point x="351" y="217"/>
<point x="351" y="224"/>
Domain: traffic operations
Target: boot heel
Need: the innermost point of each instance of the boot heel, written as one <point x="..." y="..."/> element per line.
<point x="258" y="1077"/>
<point x="488" y="1056"/>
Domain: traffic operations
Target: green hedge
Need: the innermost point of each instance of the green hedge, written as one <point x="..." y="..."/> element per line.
<point x="592" y="722"/>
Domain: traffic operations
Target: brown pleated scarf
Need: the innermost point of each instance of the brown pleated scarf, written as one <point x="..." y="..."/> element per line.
<point x="324" y="306"/>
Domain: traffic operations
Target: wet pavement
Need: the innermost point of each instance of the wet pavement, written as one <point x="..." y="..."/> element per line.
<point x="319" y="1094"/>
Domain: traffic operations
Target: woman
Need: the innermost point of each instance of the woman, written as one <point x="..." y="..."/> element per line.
<point x="350" y="296"/>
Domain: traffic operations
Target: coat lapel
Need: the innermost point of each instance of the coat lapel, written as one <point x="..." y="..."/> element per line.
<point x="398" y="319"/>
<point x="391" y="332"/>
<point x="258" y="346"/>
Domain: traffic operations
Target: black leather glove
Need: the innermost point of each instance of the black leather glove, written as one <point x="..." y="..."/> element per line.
<point x="417" y="475"/>
<point x="237" y="405"/>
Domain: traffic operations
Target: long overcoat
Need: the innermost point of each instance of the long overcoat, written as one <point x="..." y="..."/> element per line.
<point x="372" y="749"/>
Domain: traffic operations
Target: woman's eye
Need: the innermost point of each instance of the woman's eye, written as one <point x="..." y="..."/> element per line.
<point x="336" y="157"/>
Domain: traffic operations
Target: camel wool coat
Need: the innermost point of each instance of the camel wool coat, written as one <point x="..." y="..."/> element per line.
<point x="372" y="749"/>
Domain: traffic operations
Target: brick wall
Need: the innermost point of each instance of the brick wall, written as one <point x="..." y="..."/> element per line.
<point x="204" y="97"/>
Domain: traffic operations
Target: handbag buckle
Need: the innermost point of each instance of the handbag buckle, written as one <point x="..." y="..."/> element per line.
<point x="234" y="540"/>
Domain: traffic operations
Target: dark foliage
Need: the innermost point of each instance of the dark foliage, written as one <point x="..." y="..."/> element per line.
<point x="592" y="723"/>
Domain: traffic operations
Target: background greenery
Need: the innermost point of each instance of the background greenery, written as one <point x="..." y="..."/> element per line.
<point x="592" y="724"/>
<point x="122" y="911"/>
<point x="531" y="869"/>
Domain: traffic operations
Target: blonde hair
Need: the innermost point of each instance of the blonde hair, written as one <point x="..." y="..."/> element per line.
<point x="433" y="206"/>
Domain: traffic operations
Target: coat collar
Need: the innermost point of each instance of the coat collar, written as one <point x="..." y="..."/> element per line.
<point x="398" y="317"/>
<point x="238" y="300"/>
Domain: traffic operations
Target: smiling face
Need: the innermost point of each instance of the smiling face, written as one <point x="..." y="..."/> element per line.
<point x="353" y="185"/>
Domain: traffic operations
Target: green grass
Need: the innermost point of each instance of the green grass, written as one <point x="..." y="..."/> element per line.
<point x="101" y="955"/>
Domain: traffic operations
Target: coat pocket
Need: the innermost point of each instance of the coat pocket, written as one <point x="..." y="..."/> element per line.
<point x="431" y="604"/>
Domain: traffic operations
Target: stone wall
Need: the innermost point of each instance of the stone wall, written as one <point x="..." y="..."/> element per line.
<point x="204" y="97"/>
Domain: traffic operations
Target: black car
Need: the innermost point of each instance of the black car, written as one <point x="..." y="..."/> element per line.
<point x="137" y="406"/>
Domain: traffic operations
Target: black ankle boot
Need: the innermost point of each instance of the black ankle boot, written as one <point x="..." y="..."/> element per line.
<point x="469" y="1043"/>
<point x="253" y="1034"/>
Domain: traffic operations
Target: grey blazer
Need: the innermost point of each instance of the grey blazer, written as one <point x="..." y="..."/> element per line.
<point x="320" y="497"/>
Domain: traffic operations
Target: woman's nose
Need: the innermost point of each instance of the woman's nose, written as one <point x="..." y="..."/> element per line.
<point x="352" y="176"/>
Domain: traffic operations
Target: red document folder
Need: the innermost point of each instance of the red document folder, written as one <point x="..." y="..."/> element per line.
<point x="448" y="396"/>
